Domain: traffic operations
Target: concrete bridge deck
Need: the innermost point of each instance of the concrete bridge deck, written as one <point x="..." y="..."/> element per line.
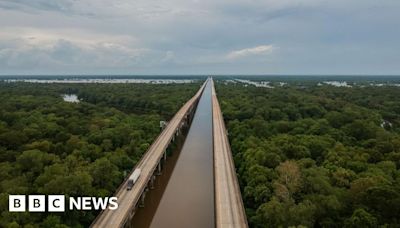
<point x="229" y="209"/>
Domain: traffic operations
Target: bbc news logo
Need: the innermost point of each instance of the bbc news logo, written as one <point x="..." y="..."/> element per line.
<point x="57" y="203"/>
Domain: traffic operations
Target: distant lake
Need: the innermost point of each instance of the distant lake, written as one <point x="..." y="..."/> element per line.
<point x="70" y="98"/>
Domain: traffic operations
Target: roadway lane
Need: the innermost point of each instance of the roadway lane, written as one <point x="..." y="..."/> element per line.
<point x="229" y="209"/>
<point x="148" y="164"/>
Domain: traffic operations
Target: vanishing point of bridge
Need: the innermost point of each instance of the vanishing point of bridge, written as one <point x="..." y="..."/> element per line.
<point x="229" y="210"/>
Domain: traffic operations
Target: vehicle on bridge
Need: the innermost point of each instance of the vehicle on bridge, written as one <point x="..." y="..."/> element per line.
<point x="133" y="178"/>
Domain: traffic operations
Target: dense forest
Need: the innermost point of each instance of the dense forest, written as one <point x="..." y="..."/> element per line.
<point x="316" y="156"/>
<point x="49" y="146"/>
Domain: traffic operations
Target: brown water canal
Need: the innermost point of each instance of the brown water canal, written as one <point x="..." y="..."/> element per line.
<point x="184" y="193"/>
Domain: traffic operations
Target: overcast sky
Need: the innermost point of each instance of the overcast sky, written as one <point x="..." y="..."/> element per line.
<point x="200" y="37"/>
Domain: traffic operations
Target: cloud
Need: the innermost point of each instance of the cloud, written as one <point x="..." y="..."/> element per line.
<point x="36" y="49"/>
<point x="224" y="36"/>
<point x="259" y="50"/>
<point x="103" y="8"/>
<point x="24" y="5"/>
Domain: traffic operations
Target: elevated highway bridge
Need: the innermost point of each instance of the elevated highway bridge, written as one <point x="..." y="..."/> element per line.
<point x="229" y="210"/>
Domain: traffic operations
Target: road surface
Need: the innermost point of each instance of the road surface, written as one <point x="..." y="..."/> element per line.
<point x="229" y="209"/>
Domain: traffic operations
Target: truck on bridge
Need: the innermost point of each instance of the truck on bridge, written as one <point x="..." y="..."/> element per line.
<point x="133" y="178"/>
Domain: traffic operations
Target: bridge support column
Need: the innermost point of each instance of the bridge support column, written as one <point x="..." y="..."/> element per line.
<point x="153" y="178"/>
<point x="142" y="197"/>
<point x="128" y="224"/>
<point x="159" y="168"/>
<point x="165" y="156"/>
